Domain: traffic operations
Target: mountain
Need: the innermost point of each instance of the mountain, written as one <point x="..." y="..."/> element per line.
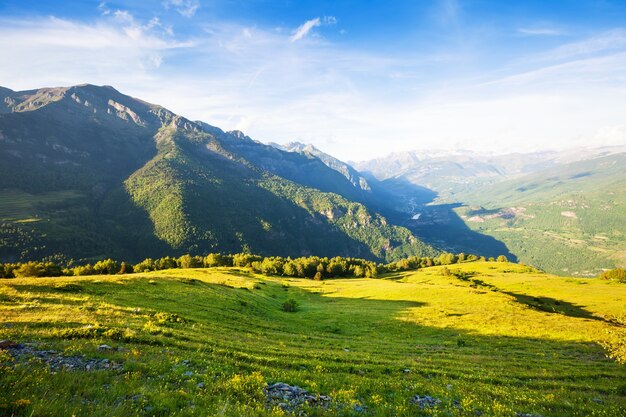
<point x="351" y="174"/>
<point x="561" y="211"/>
<point x="569" y="219"/>
<point x="464" y="172"/>
<point x="87" y="172"/>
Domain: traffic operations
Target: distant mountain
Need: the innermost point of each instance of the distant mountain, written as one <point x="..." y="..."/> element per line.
<point x="569" y="219"/>
<point x="87" y="172"/>
<point x="562" y="211"/>
<point x="464" y="172"/>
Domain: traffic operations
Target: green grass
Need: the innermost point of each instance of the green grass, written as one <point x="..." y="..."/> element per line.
<point x="501" y="339"/>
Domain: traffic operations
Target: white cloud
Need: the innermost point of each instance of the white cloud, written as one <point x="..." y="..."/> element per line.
<point x="540" y="31"/>
<point x="186" y="8"/>
<point x="605" y="41"/>
<point x="304" y="29"/>
<point x="104" y="10"/>
<point x="352" y="103"/>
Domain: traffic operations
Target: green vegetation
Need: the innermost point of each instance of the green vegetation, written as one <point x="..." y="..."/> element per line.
<point x="617" y="274"/>
<point x="312" y="267"/>
<point x="569" y="220"/>
<point x="121" y="177"/>
<point x="492" y="337"/>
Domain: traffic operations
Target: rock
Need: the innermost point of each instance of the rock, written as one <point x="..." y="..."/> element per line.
<point x="200" y="385"/>
<point x="188" y="374"/>
<point x="104" y="347"/>
<point x="406" y="370"/>
<point x="8" y="344"/>
<point x="527" y="415"/>
<point x="289" y="397"/>
<point x="346" y="350"/>
<point x="425" y="401"/>
<point x="59" y="362"/>
<point x="598" y="400"/>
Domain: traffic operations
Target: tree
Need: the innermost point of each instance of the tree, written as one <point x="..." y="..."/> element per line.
<point x="188" y="261"/>
<point x="617" y="274"/>
<point x="106" y="266"/>
<point x="29" y="269"/>
<point x="502" y="258"/>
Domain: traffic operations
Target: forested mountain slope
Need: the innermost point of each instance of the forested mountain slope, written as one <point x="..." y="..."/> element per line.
<point x="88" y="172"/>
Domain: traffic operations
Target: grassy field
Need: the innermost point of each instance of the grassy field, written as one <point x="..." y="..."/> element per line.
<point x="494" y="339"/>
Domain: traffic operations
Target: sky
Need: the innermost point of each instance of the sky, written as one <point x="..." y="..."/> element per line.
<point x="358" y="79"/>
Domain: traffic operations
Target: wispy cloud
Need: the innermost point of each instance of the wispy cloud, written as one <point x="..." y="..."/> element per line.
<point x="540" y="31"/>
<point x="186" y="8"/>
<point x="304" y="29"/>
<point x="277" y="87"/>
<point x="605" y="41"/>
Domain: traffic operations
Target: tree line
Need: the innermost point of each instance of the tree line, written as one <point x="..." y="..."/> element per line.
<point x="312" y="267"/>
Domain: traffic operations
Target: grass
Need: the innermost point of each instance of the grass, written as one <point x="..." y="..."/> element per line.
<point x="495" y="338"/>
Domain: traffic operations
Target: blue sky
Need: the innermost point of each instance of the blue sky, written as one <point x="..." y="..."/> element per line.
<point x="358" y="79"/>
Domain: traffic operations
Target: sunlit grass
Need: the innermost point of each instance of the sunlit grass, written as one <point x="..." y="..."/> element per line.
<point x="206" y="341"/>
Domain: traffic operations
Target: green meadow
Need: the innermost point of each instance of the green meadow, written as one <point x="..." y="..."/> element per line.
<point x="483" y="338"/>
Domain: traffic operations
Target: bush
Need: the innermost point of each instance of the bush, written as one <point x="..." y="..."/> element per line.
<point x="617" y="274"/>
<point x="290" y="306"/>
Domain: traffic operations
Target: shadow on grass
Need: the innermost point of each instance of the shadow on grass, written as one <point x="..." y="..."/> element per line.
<point x="555" y="306"/>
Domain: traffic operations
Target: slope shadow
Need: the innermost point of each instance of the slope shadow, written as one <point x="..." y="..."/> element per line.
<point x="438" y="224"/>
<point x="555" y="306"/>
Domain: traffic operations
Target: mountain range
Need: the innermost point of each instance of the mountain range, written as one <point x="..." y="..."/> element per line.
<point x="87" y="172"/>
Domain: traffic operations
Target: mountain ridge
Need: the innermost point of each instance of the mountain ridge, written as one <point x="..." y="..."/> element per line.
<point x="146" y="181"/>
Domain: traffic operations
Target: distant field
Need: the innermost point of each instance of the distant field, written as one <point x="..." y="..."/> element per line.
<point x="497" y="339"/>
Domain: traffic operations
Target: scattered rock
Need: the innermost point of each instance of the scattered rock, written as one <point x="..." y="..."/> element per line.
<point x="425" y="401"/>
<point x="598" y="400"/>
<point x="346" y="350"/>
<point x="188" y="374"/>
<point x="406" y="370"/>
<point x="104" y="347"/>
<point x="8" y="344"/>
<point x="289" y="398"/>
<point x="200" y="385"/>
<point x="527" y="415"/>
<point x="59" y="362"/>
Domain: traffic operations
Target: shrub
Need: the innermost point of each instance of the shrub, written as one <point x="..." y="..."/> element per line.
<point x="617" y="274"/>
<point x="290" y="306"/>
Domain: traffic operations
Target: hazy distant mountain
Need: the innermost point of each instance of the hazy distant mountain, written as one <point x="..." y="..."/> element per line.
<point x="452" y="173"/>
<point x="570" y="218"/>
<point x="86" y="171"/>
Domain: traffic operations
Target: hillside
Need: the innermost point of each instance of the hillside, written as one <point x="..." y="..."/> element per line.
<point x="570" y="219"/>
<point x="86" y="171"/>
<point x="495" y="339"/>
<point x="561" y="211"/>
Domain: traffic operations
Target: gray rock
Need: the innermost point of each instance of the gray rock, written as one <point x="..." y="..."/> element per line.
<point x="104" y="347"/>
<point x="290" y="397"/>
<point x="425" y="401"/>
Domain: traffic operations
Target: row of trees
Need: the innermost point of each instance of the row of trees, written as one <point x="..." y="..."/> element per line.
<point x="312" y="267"/>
